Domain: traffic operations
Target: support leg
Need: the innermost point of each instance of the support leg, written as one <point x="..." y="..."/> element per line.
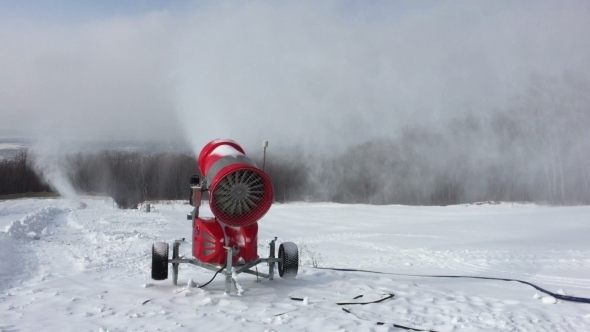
<point x="175" y="255"/>
<point x="271" y="263"/>
<point x="228" y="270"/>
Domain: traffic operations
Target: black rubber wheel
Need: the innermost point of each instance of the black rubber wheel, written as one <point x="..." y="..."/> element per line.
<point x="160" y="261"/>
<point x="288" y="260"/>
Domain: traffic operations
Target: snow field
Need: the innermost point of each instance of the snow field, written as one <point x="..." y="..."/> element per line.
<point x="89" y="269"/>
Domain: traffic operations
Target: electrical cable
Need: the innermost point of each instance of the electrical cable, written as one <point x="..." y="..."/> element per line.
<point x="387" y="297"/>
<point x="557" y="296"/>
<point x="215" y="275"/>
<point x="383" y="323"/>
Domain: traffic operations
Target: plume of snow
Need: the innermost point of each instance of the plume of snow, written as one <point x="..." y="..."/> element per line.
<point x="49" y="162"/>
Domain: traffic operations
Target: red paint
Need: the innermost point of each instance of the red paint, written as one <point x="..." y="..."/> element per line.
<point x="208" y="241"/>
<point x="246" y="239"/>
<point x="207" y="159"/>
<point x="238" y="229"/>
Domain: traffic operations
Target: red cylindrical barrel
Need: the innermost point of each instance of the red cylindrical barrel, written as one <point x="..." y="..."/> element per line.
<point x="239" y="192"/>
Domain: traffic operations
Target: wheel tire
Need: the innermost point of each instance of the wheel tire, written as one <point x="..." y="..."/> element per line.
<point x="160" y="261"/>
<point x="288" y="260"/>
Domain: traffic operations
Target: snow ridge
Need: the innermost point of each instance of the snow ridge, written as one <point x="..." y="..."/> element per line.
<point x="34" y="224"/>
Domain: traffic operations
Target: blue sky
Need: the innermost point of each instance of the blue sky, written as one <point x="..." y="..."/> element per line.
<point x="85" y="10"/>
<point x="81" y="10"/>
<point x="73" y="10"/>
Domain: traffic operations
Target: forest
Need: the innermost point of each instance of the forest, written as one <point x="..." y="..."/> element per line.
<point x="537" y="150"/>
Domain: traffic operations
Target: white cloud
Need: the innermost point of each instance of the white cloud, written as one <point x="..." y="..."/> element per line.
<point x="284" y="72"/>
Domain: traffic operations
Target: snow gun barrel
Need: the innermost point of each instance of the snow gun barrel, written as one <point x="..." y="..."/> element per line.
<point x="240" y="193"/>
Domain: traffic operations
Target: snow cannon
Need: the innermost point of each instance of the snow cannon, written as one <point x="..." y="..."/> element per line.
<point x="240" y="194"/>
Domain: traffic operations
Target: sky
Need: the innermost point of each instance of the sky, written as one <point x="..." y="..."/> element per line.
<point x="333" y="73"/>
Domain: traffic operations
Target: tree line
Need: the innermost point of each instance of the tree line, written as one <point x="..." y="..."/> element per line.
<point x="128" y="177"/>
<point x="537" y="150"/>
<point x="418" y="168"/>
<point x="17" y="176"/>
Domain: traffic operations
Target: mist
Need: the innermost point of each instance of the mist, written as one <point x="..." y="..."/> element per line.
<point x="488" y="98"/>
<point x="82" y="82"/>
<point x="312" y="75"/>
<point x="48" y="160"/>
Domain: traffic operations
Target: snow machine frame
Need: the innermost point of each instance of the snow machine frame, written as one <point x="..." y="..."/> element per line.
<point x="228" y="269"/>
<point x="224" y="165"/>
<point x="287" y="262"/>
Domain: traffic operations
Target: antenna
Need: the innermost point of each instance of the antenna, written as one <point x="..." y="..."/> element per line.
<point x="264" y="146"/>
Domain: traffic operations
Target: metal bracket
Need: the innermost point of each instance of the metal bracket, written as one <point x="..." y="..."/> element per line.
<point x="271" y="260"/>
<point x="176" y="256"/>
<point x="228" y="269"/>
<point x="204" y="184"/>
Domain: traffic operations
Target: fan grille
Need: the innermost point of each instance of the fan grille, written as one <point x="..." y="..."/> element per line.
<point x="240" y="197"/>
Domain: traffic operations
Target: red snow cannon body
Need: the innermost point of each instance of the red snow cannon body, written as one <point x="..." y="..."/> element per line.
<point x="239" y="195"/>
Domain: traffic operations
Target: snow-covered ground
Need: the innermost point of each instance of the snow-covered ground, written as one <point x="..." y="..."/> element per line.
<point x="64" y="267"/>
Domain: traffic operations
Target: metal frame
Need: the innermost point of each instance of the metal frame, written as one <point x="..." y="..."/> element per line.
<point x="230" y="269"/>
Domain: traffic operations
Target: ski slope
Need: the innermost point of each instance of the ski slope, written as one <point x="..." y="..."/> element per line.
<point x="68" y="266"/>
